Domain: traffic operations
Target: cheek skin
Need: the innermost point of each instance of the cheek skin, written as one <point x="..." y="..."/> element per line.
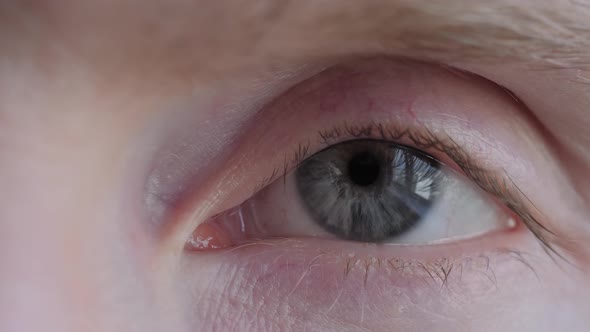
<point x="74" y="251"/>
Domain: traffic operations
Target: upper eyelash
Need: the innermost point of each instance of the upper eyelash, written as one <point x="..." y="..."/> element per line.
<point x="500" y="186"/>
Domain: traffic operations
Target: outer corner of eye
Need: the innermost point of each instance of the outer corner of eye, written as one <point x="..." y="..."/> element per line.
<point x="365" y="191"/>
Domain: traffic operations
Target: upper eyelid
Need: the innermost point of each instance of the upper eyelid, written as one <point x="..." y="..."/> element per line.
<point x="496" y="183"/>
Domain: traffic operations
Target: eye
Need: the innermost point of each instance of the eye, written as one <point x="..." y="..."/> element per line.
<point x="364" y="190"/>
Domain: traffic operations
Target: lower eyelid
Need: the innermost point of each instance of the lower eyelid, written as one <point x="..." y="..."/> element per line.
<point x="504" y="237"/>
<point x="295" y="274"/>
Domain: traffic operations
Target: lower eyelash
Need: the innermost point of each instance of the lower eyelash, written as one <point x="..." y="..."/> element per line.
<point x="436" y="275"/>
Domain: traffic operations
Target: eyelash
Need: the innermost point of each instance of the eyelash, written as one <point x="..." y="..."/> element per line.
<point x="501" y="187"/>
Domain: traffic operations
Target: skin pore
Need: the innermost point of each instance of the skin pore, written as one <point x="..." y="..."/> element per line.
<point x="124" y="125"/>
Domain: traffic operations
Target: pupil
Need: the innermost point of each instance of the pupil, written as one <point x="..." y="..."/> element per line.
<point x="363" y="169"/>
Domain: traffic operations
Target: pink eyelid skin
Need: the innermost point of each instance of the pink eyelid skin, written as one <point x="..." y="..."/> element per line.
<point x="321" y="283"/>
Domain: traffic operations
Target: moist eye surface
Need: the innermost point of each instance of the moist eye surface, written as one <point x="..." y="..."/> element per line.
<point x="368" y="190"/>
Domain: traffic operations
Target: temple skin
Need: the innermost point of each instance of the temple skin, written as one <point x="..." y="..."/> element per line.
<point x="126" y="124"/>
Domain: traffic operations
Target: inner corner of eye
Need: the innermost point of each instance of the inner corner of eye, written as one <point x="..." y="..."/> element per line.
<point x="226" y="229"/>
<point x="206" y="237"/>
<point x="212" y="234"/>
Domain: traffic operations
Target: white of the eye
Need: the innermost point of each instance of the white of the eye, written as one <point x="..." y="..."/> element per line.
<point x="462" y="211"/>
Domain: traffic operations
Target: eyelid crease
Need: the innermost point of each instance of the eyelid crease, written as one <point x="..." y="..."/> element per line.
<point x="498" y="184"/>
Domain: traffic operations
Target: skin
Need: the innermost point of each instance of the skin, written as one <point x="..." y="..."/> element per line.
<point x="125" y="126"/>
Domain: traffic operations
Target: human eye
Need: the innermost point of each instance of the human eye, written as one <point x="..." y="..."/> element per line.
<point x="394" y="186"/>
<point x="367" y="190"/>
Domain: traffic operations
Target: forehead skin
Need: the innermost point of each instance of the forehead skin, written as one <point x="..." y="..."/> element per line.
<point x="161" y="47"/>
<point x="200" y="37"/>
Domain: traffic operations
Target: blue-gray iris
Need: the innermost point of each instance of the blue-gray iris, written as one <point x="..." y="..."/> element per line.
<point x="368" y="190"/>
